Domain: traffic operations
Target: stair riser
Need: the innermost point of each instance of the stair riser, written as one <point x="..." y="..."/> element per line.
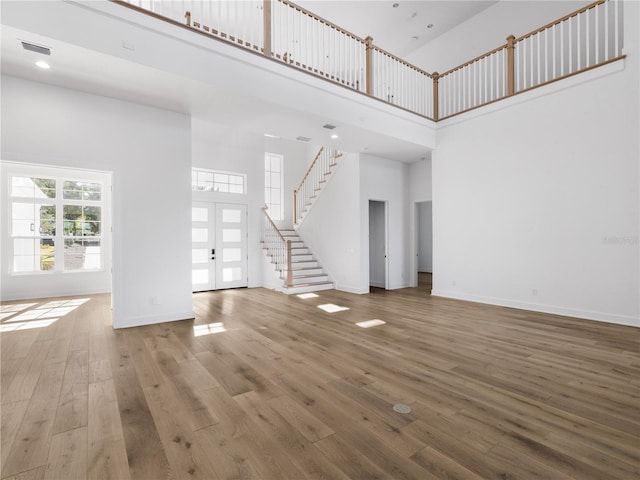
<point x="315" y="279"/>
<point x="308" y="271"/>
<point x="301" y="258"/>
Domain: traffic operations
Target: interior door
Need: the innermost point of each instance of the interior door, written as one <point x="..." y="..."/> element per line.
<point x="219" y="246"/>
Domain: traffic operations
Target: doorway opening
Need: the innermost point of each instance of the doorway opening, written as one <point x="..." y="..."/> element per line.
<point x="424" y="245"/>
<point x="378" y="261"/>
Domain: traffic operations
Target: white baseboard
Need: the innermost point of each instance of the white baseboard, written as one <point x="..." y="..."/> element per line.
<point x="142" y="320"/>
<point x="538" y="307"/>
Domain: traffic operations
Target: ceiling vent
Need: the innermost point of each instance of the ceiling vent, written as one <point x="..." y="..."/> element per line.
<point x="303" y="139"/>
<point x="329" y="126"/>
<point x="32" y="47"/>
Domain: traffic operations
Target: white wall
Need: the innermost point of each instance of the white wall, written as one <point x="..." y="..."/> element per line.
<point x="297" y="157"/>
<point x="332" y="228"/>
<point x="425" y="237"/>
<point x="218" y="147"/>
<point x="148" y="151"/>
<point x="488" y="30"/>
<point x="536" y="204"/>
<point x="388" y="180"/>
<point x="420" y="190"/>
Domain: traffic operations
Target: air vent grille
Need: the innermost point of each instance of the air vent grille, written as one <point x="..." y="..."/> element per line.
<point x="32" y="47"/>
<point x="328" y="126"/>
<point x="303" y="139"/>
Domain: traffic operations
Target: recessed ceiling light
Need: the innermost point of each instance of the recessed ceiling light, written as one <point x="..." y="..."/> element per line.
<point x="334" y="136"/>
<point x="268" y="135"/>
<point x="42" y="64"/>
<point x="430" y="25"/>
<point x="413" y="15"/>
<point x="415" y="37"/>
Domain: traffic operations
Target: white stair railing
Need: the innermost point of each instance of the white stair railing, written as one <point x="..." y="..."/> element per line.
<point x="277" y="247"/>
<point x="313" y="182"/>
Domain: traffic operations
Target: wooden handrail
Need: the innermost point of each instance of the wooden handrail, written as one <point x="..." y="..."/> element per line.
<point x="309" y="169"/>
<point x="560" y="20"/>
<point x="265" y="210"/>
<point x="322" y="20"/>
<point x="289" y="279"/>
<point x="477" y="59"/>
<point x="404" y="62"/>
<point x="568" y="75"/>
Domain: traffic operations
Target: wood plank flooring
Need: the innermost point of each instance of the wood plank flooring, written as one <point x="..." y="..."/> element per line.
<point x="267" y="386"/>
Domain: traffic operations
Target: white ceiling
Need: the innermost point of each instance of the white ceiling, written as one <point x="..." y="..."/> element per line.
<point x="88" y="71"/>
<point x="393" y="28"/>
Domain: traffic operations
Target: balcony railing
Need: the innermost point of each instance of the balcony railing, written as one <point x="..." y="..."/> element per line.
<point x="285" y="32"/>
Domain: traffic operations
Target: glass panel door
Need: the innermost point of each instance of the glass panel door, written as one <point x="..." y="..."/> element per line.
<point x="203" y="276"/>
<point x="231" y="253"/>
<point x="218" y="246"/>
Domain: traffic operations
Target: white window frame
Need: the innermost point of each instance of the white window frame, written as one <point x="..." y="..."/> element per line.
<point x="217" y="183"/>
<point x="278" y="191"/>
<point x="60" y="175"/>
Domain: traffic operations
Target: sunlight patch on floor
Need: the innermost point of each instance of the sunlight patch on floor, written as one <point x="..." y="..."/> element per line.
<point x="331" y="308"/>
<point x="370" y="323"/>
<point x="208" y="329"/>
<point x="304" y="296"/>
<point x="25" y="316"/>
<point x="10" y="327"/>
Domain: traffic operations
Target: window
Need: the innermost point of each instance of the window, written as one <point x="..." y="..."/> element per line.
<point x="273" y="185"/>
<point x="55" y="223"/>
<point x="212" y="181"/>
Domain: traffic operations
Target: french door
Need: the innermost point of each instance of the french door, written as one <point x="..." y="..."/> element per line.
<point x="219" y="246"/>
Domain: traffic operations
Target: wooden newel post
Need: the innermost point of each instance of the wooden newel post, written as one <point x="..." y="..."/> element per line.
<point x="436" y="77"/>
<point x="289" y="272"/>
<point x="369" y="65"/>
<point x="295" y="207"/>
<point x="266" y="13"/>
<point x="187" y="17"/>
<point x="511" y="83"/>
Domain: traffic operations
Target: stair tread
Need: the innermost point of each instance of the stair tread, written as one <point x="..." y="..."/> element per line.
<point x="311" y="284"/>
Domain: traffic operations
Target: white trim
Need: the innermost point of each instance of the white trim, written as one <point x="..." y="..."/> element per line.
<point x="142" y="320"/>
<point x="537" y="307"/>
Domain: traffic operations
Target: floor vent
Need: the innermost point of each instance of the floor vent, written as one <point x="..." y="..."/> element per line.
<point x="401" y="408"/>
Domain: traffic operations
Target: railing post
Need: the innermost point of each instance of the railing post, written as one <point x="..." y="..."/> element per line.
<point x="436" y="77"/>
<point x="510" y="65"/>
<point x="187" y="17"/>
<point x="266" y="13"/>
<point x="369" y="65"/>
<point x="289" y="272"/>
<point x="295" y="207"/>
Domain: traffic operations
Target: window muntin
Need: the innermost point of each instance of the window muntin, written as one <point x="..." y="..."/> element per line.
<point x="214" y="181"/>
<point x="273" y="185"/>
<point x="55" y="225"/>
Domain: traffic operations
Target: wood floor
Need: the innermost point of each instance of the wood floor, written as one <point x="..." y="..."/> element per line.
<point x="266" y="386"/>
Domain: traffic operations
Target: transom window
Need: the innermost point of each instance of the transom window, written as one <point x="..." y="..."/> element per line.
<point x="203" y="180"/>
<point x="55" y="223"/>
<point x="273" y="185"/>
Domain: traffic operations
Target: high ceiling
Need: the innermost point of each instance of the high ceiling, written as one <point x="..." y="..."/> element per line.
<point x="398" y="26"/>
<point x="86" y="70"/>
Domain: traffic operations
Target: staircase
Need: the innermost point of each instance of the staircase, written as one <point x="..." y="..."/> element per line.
<point x="298" y="270"/>
<point x="307" y="275"/>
